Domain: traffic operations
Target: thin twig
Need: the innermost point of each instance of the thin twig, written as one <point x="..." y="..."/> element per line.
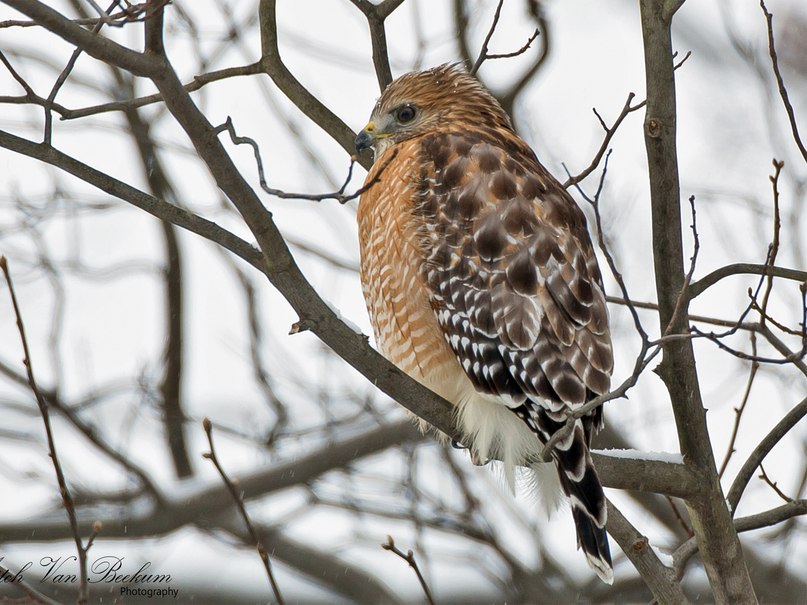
<point x="767" y="272"/>
<point x="409" y="557"/>
<point x="773" y="485"/>
<point x="738" y="411"/>
<point x="340" y="195"/>
<point x="239" y="502"/>
<point x="683" y="298"/>
<point x="483" y="52"/>
<point x="521" y="50"/>
<point x="484" y="55"/>
<point x="777" y="225"/>
<point x="678" y="517"/>
<point x="67" y="498"/>
<point x="63" y="78"/>
<point x="791" y="116"/>
<point x="29" y="92"/>
<point x="779" y="325"/>
<point x="627" y="108"/>
<point x="609" y="258"/>
<point x="682" y="61"/>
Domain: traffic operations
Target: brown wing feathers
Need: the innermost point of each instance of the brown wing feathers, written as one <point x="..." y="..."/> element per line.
<point x="517" y="300"/>
<point x="502" y="273"/>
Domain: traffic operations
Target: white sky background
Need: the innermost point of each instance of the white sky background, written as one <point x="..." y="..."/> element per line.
<point x="730" y="127"/>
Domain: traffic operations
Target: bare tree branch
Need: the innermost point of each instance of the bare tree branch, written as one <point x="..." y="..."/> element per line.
<point x="721" y="551"/>
<point x="375" y="15"/>
<point x="239" y="502"/>
<point x="67" y="498"/>
<point x="326" y="570"/>
<point x="765" y="519"/>
<point x="660" y="579"/>
<point x="206" y="501"/>
<point x="738" y="411"/>
<point x="409" y="557"/>
<point x="93" y="44"/>
<point x="775" y="435"/>
<point x="794" y="128"/>
<point x="699" y="286"/>
<point x="273" y="65"/>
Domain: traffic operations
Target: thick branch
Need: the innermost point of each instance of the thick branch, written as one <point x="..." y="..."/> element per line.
<point x="198" y="503"/>
<point x="644" y="475"/>
<point x="660" y="579"/>
<point x="720" y="547"/>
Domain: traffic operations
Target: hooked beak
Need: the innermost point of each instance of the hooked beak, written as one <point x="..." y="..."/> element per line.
<point x="365" y="139"/>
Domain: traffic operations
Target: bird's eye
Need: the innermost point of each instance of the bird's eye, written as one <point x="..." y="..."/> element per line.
<point x="405" y="114"/>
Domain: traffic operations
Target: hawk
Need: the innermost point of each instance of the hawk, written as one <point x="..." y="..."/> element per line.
<point x="481" y="282"/>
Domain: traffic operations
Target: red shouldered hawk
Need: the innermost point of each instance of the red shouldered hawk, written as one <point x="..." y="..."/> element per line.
<point x="481" y="281"/>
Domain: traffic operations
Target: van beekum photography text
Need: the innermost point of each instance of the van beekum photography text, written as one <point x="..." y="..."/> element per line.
<point x="136" y="579"/>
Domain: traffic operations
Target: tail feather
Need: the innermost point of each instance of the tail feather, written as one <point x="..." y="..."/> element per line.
<point x="580" y="483"/>
<point x="594" y="543"/>
<point x="589" y="513"/>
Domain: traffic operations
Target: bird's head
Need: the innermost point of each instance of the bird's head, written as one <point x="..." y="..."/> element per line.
<point x="422" y="101"/>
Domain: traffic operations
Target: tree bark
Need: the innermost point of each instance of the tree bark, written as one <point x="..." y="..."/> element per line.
<point x="719" y="545"/>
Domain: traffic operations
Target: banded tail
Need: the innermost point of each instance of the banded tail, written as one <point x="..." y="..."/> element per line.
<point x="580" y="483"/>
